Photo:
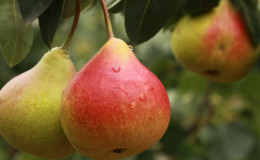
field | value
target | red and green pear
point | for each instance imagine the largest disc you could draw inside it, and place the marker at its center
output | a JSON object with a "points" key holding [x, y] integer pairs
{"points": [[216, 44], [30, 107], [114, 107]]}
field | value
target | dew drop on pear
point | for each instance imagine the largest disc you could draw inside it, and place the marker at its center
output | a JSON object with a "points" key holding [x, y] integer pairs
{"points": [[116, 68], [132, 105], [143, 97], [131, 47]]}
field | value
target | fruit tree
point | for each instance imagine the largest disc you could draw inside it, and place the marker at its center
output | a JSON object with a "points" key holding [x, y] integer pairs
{"points": [[129, 79]]}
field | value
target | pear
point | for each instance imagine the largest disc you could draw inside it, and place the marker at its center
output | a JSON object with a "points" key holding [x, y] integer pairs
{"points": [[215, 45], [114, 107], [30, 107], [70, 7]]}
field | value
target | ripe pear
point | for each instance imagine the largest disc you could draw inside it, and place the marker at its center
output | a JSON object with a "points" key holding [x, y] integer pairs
{"points": [[70, 7], [215, 45], [114, 107], [30, 107]]}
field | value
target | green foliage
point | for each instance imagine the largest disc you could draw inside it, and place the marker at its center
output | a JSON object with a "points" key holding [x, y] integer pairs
{"points": [[31, 10], [227, 141], [229, 132], [49, 21], [195, 7], [15, 38], [143, 19], [116, 6]]}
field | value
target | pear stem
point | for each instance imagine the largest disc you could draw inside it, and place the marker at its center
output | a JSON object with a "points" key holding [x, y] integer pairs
{"points": [[74, 26], [205, 107], [107, 19]]}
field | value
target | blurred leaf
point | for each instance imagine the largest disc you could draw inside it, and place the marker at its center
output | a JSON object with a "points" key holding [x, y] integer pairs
{"points": [[251, 15], [31, 10], [174, 19], [175, 144], [26, 156], [144, 18], [69, 8], [77, 156], [227, 142], [173, 139], [3, 154], [6, 73], [197, 86], [116, 6], [15, 38], [146, 155], [255, 154], [189, 8], [195, 7], [50, 20]]}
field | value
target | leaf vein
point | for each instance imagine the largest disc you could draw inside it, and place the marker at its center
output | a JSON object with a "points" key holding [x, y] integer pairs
{"points": [[16, 29], [142, 19]]}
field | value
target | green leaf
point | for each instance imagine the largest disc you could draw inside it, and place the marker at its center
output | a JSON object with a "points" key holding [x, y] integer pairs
{"points": [[15, 38], [194, 7], [251, 15], [26, 156], [70, 7], [255, 154], [228, 142], [31, 10], [144, 18], [174, 19], [49, 21], [146, 155], [116, 6], [173, 138]]}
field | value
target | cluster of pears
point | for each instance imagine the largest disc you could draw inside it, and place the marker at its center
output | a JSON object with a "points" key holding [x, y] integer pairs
{"points": [[216, 44], [114, 107]]}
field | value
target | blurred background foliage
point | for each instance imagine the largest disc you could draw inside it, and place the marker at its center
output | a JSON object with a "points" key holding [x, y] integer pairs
{"points": [[210, 121]]}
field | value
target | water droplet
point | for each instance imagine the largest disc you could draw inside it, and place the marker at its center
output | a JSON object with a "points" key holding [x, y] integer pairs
{"points": [[150, 88], [132, 105], [143, 97], [146, 82], [116, 68], [131, 47]]}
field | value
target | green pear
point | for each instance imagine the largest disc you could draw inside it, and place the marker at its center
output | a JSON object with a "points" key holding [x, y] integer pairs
{"points": [[216, 44], [114, 107], [70, 7], [30, 107]]}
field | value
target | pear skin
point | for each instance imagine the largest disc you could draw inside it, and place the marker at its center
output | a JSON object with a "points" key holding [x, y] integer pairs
{"points": [[215, 45], [114, 107], [30, 107]]}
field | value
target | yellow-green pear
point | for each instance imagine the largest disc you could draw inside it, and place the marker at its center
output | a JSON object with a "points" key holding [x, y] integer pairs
{"points": [[30, 107]]}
